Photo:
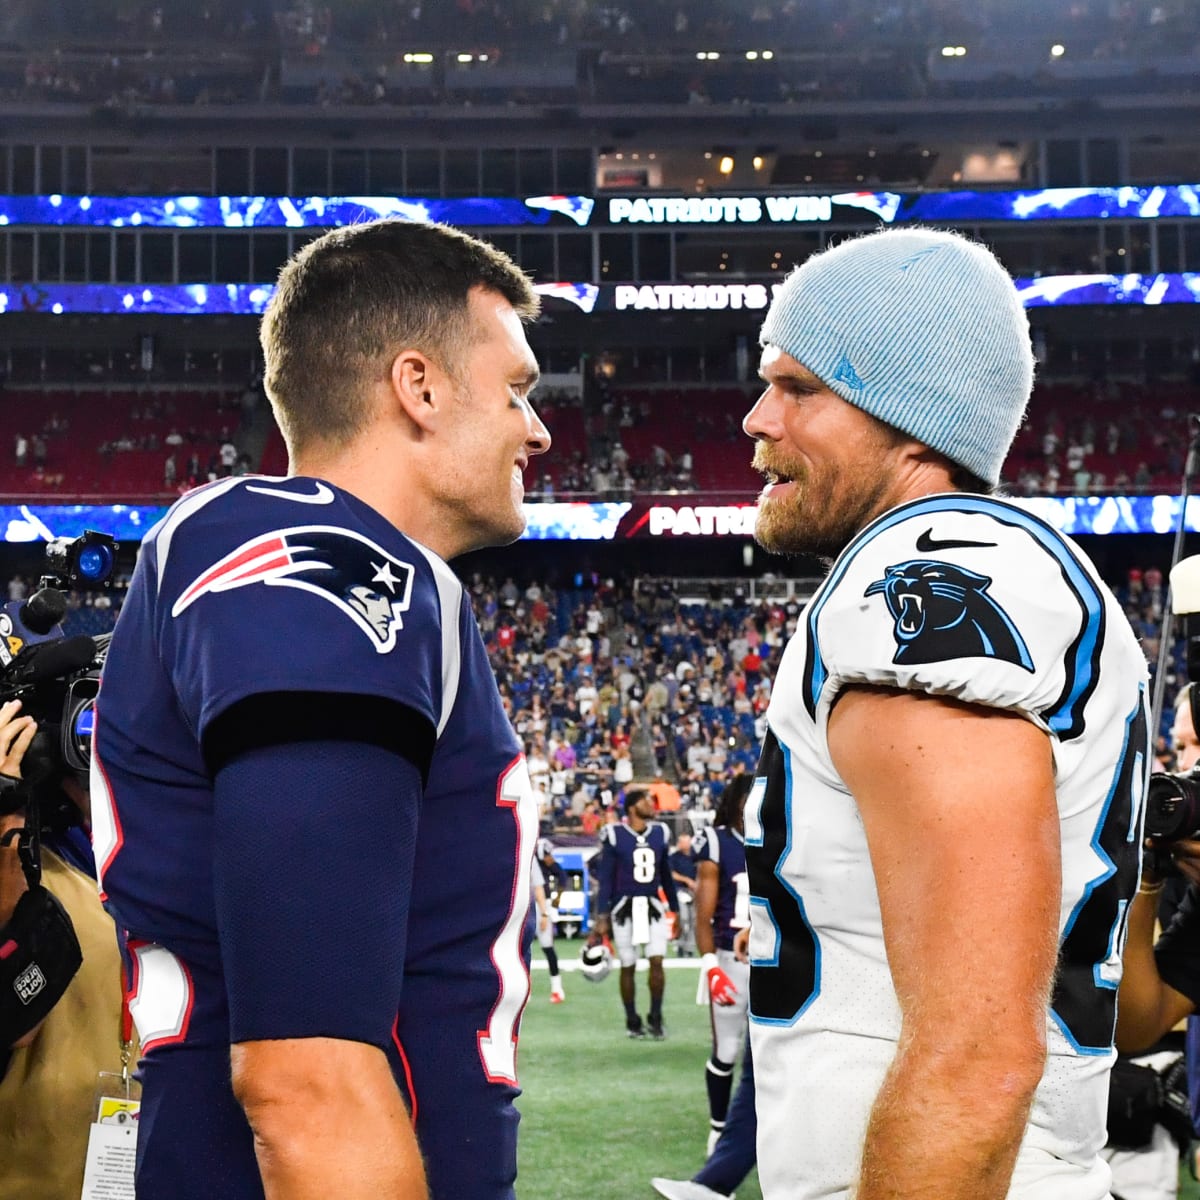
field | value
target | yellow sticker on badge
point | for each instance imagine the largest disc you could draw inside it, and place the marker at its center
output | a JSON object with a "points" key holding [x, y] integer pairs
{"points": [[116, 1111]]}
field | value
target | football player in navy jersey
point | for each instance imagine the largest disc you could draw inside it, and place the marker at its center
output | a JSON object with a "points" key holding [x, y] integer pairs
{"points": [[299, 734], [636, 891], [722, 908]]}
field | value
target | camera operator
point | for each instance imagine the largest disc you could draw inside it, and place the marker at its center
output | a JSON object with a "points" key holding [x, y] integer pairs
{"points": [[1160, 986], [49, 1073], [1161, 983]]}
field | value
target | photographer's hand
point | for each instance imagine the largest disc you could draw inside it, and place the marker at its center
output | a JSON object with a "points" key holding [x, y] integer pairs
{"points": [[15, 735], [1186, 854]]}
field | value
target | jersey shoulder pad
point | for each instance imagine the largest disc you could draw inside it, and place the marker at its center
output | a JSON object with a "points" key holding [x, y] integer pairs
{"points": [[964, 596], [291, 585]]}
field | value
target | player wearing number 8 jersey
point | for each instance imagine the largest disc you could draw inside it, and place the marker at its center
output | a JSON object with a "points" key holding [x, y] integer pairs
{"points": [[301, 756], [943, 835], [633, 869]]}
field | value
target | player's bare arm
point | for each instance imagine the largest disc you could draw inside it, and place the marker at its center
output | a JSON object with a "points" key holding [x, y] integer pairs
{"points": [[308, 1101], [708, 879], [959, 810]]}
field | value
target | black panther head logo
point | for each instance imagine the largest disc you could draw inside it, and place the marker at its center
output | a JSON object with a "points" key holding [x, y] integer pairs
{"points": [[943, 611]]}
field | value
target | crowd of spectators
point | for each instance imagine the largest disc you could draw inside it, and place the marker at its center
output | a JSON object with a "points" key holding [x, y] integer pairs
{"points": [[1097, 26], [232, 51], [129, 442]]}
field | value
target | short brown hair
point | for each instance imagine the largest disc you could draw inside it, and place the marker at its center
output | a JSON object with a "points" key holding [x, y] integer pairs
{"points": [[351, 300]]}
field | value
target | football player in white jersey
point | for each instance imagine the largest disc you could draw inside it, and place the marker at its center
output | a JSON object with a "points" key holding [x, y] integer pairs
{"points": [[944, 832]]}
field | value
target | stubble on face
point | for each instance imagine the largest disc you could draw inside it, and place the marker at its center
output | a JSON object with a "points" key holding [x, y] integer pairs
{"points": [[826, 505]]}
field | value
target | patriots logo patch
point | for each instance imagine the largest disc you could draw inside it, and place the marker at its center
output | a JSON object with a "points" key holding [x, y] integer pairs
{"points": [[942, 611], [372, 587]]}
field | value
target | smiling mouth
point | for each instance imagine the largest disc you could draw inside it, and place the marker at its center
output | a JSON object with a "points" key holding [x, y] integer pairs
{"points": [[774, 477]]}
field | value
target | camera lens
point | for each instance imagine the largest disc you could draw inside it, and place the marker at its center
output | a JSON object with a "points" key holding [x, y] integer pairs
{"points": [[95, 562]]}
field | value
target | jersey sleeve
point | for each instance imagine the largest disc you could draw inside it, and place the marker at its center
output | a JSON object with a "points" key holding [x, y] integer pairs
{"points": [[536, 877], [312, 609], [966, 597], [666, 878], [606, 869], [706, 846]]}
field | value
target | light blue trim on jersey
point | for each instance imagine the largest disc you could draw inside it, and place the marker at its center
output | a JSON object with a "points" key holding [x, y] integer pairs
{"points": [[1109, 871], [754, 801], [767, 915], [786, 1022], [1063, 716]]}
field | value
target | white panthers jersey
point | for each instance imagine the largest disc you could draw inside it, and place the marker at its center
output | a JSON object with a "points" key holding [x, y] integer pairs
{"points": [[970, 597]]}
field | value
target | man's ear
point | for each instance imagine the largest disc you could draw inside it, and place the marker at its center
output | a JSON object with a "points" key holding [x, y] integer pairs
{"points": [[417, 384]]}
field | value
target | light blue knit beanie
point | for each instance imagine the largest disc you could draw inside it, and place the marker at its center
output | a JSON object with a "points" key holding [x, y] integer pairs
{"points": [[922, 329]]}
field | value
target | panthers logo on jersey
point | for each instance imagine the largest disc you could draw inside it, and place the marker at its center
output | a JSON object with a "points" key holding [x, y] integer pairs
{"points": [[368, 584], [942, 611]]}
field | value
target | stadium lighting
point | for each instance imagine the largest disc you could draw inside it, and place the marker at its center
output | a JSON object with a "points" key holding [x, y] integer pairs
{"points": [[466, 58], [1057, 50], [954, 51], [758, 162], [752, 55], [712, 55], [725, 166], [768, 54], [420, 57], [700, 54]]}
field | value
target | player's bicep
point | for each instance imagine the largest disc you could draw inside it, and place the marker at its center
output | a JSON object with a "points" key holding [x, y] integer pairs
{"points": [[313, 854], [959, 809]]}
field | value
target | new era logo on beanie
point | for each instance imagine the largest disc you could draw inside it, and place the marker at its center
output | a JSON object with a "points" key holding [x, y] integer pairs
{"points": [[921, 328]]}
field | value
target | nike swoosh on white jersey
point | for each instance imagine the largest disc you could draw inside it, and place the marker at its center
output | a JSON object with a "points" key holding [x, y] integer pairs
{"points": [[323, 494]]}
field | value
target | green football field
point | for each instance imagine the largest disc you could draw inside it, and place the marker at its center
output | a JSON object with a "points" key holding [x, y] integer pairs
{"points": [[602, 1114]]}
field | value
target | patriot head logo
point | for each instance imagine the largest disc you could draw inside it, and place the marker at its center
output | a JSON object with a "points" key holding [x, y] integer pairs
{"points": [[942, 611], [372, 587]]}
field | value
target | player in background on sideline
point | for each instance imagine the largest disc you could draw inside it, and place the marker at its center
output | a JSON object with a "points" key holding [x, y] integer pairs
{"points": [[734, 1155], [722, 908], [633, 868], [545, 917]]}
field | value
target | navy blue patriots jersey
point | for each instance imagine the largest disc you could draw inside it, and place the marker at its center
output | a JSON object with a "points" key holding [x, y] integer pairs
{"points": [[253, 587], [634, 864], [725, 848]]}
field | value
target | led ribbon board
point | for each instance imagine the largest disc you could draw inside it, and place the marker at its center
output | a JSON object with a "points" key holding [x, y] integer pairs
{"points": [[582, 521], [774, 209], [193, 299]]}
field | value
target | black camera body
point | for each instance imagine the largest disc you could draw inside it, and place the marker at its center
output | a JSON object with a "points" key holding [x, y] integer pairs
{"points": [[1173, 805]]}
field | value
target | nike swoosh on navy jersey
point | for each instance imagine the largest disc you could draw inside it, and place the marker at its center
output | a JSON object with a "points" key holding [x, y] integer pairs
{"points": [[323, 494], [927, 542]]}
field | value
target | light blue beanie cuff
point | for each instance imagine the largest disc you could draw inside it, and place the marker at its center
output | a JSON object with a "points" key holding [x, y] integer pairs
{"points": [[923, 329]]}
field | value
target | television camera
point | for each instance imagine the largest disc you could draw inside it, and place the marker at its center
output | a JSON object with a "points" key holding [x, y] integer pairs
{"points": [[57, 678]]}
